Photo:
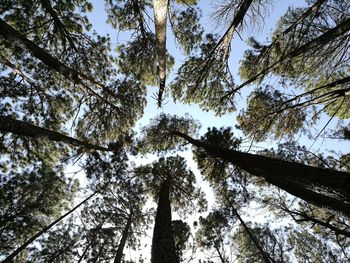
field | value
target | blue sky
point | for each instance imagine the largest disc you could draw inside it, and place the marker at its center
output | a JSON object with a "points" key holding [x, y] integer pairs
{"points": [[208, 119], [261, 31]]}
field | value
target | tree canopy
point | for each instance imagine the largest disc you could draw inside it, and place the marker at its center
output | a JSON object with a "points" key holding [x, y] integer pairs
{"points": [[100, 163]]}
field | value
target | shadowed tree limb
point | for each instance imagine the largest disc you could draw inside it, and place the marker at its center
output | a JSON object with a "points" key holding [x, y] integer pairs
{"points": [[9, 124]]}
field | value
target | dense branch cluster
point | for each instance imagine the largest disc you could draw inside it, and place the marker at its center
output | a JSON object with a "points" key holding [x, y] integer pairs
{"points": [[81, 182]]}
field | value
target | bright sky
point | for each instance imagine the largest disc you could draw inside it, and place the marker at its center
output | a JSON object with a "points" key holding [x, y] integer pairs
{"points": [[207, 119]]}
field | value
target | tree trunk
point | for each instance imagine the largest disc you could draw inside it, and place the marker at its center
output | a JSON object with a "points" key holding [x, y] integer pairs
{"points": [[84, 253], [163, 245], [9, 124], [58, 23], [125, 234], [160, 18], [251, 235], [10, 258], [222, 259], [323, 39], [19, 40], [319, 186]]}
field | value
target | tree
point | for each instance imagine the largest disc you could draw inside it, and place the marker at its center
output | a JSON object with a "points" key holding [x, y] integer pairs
{"points": [[173, 186], [182, 233], [308, 50], [295, 178], [211, 234], [70, 99]]}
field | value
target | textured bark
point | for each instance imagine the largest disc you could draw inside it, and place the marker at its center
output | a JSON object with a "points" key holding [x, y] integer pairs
{"points": [[160, 19], [125, 234], [9, 124], [321, 187], [10, 258], [163, 245]]}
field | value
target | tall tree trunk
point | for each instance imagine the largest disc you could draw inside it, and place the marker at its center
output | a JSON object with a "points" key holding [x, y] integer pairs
{"points": [[163, 245], [9, 124], [222, 259], [10, 258], [138, 14], [225, 40], [321, 40], [319, 186], [58, 23], [125, 234], [160, 18], [19, 40], [84, 253], [251, 235]]}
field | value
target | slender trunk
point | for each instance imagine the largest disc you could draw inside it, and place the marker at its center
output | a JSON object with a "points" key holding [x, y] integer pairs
{"points": [[160, 19], [305, 217], [321, 40], [237, 20], [163, 245], [222, 259], [84, 253], [313, 9], [125, 234], [319, 186], [10, 258], [19, 40], [251, 235], [9, 124], [138, 14], [60, 26]]}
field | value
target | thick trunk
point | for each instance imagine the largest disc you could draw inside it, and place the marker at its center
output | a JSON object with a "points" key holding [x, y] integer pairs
{"points": [[160, 19], [163, 245], [8, 124], [321, 187], [10, 258], [125, 234]]}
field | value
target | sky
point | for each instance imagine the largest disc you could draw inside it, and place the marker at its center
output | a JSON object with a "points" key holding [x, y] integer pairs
{"points": [[208, 119]]}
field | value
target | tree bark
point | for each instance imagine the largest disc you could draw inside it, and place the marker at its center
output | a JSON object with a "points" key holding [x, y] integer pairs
{"points": [[9, 124], [10, 258], [160, 18], [125, 234], [321, 187], [163, 245]]}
